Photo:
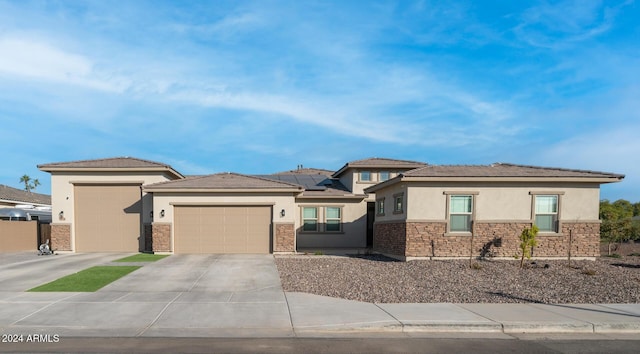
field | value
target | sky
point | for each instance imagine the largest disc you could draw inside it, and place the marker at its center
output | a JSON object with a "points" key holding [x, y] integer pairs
{"points": [[258, 87]]}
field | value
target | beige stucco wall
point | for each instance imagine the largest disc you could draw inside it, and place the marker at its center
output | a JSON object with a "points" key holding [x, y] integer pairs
{"points": [[351, 179], [497, 202], [388, 195], [354, 224], [62, 191]]}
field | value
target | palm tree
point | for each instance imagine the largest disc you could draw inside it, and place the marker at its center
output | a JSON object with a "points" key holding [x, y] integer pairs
{"points": [[27, 185]]}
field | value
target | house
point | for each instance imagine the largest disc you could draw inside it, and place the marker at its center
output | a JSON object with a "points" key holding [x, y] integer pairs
{"points": [[12, 197], [126, 204]]}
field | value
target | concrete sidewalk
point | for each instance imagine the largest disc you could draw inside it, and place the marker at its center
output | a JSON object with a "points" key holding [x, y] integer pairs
{"points": [[241, 296]]}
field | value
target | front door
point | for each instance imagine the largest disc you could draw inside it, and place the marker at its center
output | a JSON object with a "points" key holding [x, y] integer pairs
{"points": [[371, 218]]}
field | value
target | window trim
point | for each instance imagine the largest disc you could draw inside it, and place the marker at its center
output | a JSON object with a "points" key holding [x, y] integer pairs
{"points": [[397, 210], [321, 219], [380, 176], [317, 229], [326, 219], [380, 207], [472, 214], [558, 222], [360, 179]]}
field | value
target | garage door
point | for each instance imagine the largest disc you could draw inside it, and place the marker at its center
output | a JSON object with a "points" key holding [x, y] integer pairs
{"points": [[222, 229], [107, 218]]}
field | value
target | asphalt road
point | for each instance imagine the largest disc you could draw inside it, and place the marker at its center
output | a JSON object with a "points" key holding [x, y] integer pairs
{"points": [[324, 345]]}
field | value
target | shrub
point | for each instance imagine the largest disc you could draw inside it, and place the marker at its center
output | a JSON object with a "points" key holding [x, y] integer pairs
{"points": [[527, 242]]}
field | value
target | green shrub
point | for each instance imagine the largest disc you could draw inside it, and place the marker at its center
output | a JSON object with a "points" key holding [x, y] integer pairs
{"points": [[527, 242]]}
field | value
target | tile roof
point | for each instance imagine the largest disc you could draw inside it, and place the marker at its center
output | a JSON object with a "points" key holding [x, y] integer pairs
{"points": [[225, 180], [379, 162], [114, 162], [503, 170], [18, 195]]}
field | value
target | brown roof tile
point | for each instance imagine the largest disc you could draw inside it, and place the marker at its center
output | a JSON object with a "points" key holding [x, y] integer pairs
{"points": [[502, 170], [130, 163], [379, 162], [226, 180], [17, 195], [113, 162]]}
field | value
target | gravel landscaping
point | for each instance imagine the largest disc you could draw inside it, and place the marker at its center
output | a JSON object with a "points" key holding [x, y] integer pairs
{"points": [[380, 279]]}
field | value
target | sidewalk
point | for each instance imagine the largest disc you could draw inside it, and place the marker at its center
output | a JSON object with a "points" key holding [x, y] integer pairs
{"points": [[277, 314]]}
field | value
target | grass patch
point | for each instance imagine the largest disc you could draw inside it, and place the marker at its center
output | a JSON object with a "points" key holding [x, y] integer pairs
{"points": [[613, 255], [88, 280], [634, 254], [143, 257]]}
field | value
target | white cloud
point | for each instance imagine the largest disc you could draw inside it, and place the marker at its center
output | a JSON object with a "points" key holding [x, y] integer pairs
{"points": [[40, 61]]}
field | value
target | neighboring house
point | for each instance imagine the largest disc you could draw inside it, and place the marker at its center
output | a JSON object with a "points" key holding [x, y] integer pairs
{"points": [[127, 204], [11, 197]]}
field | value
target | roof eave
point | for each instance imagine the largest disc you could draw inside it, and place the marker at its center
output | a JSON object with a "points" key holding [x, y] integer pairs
{"points": [[512, 179], [222, 190], [111, 169], [402, 178], [333, 196]]}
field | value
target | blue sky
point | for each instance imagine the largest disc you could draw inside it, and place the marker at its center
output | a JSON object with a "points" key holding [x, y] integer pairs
{"points": [[260, 87]]}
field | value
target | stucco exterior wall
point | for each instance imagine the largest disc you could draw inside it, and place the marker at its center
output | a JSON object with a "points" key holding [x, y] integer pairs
{"points": [[388, 195], [354, 224], [503, 202]]}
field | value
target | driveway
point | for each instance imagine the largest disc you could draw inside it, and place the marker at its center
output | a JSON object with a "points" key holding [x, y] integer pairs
{"points": [[194, 294]]}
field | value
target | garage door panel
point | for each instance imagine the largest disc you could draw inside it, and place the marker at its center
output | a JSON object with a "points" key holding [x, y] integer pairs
{"points": [[107, 218], [222, 229]]}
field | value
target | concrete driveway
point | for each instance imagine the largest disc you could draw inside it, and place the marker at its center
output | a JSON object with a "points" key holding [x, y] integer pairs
{"points": [[197, 294], [241, 296]]}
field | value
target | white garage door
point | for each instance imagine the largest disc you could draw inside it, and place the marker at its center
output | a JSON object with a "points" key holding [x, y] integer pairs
{"points": [[222, 229], [107, 218]]}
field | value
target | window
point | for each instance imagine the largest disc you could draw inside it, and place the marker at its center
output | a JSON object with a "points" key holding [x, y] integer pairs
{"points": [[546, 213], [332, 219], [398, 202], [460, 213], [380, 207], [384, 175], [309, 219], [365, 176]]}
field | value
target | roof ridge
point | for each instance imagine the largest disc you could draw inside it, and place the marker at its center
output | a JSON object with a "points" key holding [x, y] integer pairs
{"points": [[386, 159], [105, 159], [555, 168]]}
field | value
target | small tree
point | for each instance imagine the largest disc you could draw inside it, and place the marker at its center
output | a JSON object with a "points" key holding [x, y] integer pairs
{"points": [[28, 186], [527, 242]]}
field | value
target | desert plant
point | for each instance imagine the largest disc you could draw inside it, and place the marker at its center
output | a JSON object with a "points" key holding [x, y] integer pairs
{"points": [[589, 272], [318, 253], [476, 266], [527, 242], [613, 255]]}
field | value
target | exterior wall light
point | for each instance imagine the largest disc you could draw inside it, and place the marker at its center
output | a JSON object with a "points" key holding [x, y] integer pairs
{"points": [[282, 213], [162, 213], [61, 215], [151, 214]]}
